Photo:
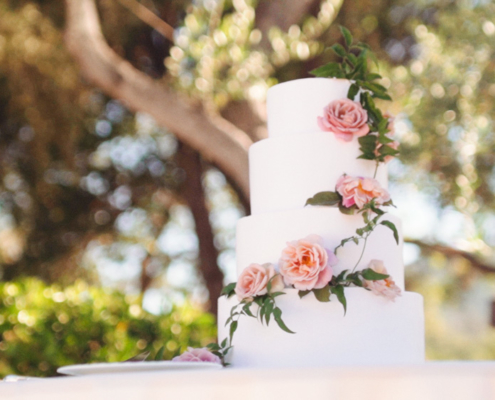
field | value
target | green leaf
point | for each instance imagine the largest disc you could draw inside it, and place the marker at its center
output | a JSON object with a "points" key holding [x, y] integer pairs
{"points": [[258, 300], [368, 144], [262, 312], [233, 328], [339, 292], [382, 96], [224, 343], [214, 346], [376, 210], [228, 290], [232, 310], [392, 227], [353, 91], [356, 281], [324, 199], [352, 59], [344, 241], [330, 70], [218, 353], [277, 314], [388, 151], [269, 310], [372, 77], [339, 50], [247, 309], [341, 276], [347, 35], [269, 284], [323, 294], [368, 103], [389, 203], [371, 275], [367, 157], [303, 293], [361, 46], [159, 354], [347, 211], [276, 294], [382, 126]]}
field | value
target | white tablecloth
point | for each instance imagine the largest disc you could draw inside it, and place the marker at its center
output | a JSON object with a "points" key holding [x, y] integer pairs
{"points": [[433, 380]]}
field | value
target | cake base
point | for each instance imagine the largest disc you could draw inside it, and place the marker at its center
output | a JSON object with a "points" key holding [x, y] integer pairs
{"points": [[375, 331]]}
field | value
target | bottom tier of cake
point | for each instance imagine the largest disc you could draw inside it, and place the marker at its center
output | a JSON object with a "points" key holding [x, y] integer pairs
{"points": [[374, 331]]}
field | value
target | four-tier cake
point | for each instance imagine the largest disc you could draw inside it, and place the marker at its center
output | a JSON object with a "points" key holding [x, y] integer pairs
{"points": [[298, 160]]}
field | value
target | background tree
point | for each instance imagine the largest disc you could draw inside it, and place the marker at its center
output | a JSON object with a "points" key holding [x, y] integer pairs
{"points": [[90, 179]]}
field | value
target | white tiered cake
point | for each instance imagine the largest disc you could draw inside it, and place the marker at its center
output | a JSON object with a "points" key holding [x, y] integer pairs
{"points": [[293, 164]]}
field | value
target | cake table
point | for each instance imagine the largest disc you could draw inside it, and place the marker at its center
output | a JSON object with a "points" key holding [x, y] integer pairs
{"points": [[432, 380]]}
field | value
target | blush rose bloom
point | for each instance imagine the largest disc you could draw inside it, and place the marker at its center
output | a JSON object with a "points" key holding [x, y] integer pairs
{"points": [[198, 355], [384, 287], [306, 264], [359, 191], [254, 279], [345, 118]]}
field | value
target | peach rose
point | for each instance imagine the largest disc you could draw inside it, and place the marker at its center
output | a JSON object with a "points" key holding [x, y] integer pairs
{"points": [[345, 118], [198, 355], [306, 264], [254, 279], [384, 287], [359, 191]]}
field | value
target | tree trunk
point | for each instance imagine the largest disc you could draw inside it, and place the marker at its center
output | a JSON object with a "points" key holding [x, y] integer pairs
{"points": [[190, 161]]}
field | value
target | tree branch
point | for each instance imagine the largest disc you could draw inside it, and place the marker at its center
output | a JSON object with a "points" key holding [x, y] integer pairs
{"points": [[193, 192], [281, 13], [474, 260], [149, 18], [248, 116], [216, 139]]}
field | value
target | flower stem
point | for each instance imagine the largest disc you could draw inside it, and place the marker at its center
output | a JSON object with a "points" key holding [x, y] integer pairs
{"points": [[376, 169], [362, 253]]}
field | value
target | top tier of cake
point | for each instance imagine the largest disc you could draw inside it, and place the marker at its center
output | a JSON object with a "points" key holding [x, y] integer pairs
{"points": [[293, 107], [298, 159]]}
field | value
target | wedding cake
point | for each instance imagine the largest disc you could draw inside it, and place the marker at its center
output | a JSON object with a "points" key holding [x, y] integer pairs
{"points": [[363, 319]]}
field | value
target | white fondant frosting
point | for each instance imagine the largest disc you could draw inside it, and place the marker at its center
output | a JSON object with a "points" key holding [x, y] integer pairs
{"points": [[261, 238], [286, 171], [293, 107], [374, 331], [293, 164]]}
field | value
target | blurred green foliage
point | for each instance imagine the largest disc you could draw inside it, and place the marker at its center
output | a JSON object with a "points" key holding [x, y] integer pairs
{"points": [[44, 327]]}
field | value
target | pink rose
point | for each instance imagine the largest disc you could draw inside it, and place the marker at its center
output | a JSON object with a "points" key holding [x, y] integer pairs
{"points": [[306, 264], [198, 355], [345, 118], [384, 287], [254, 279], [359, 191]]}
